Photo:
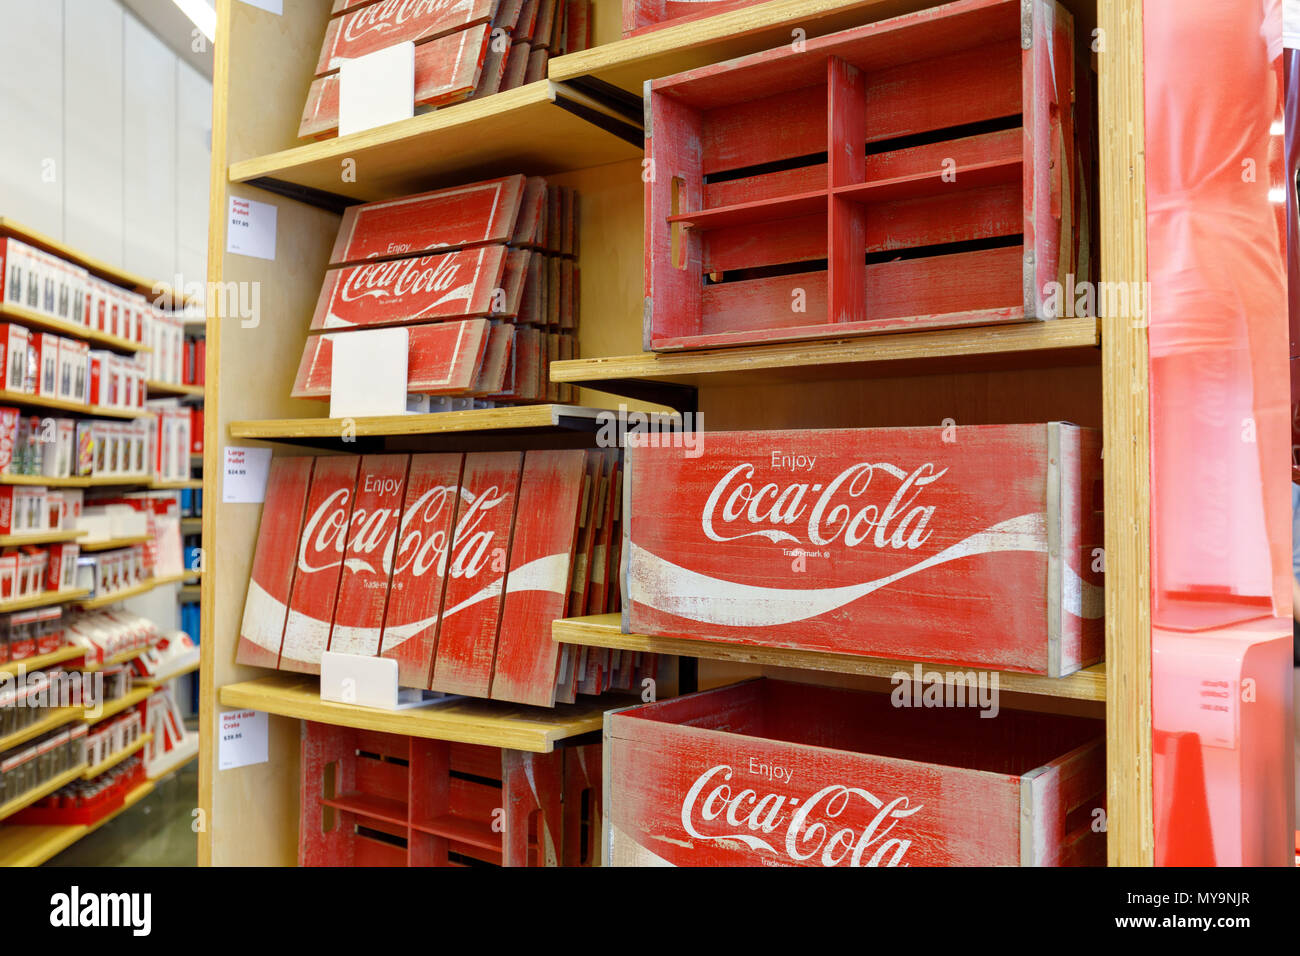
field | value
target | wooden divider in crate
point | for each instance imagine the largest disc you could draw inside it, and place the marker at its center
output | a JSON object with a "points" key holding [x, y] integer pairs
{"points": [[912, 173], [376, 799]]}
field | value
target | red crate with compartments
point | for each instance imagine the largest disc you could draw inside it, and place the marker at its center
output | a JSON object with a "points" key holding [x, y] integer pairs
{"points": [[376, 799], [917, 173]]}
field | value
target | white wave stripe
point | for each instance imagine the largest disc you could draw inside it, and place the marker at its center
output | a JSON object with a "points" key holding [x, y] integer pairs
{"points": [[672, 589], [261, 609]]}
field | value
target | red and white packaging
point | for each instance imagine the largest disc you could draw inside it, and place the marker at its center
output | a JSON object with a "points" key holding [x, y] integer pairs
{"points": [[73, 356], [981, 548], [320, 561], [480, 552], [420, 565], [537, 584], [476, 214], [9, 579], [451, 285], [61, 566], [23, 509], [47, 358], [443, 359], [388, 22], [13, 357], [367, 565]]}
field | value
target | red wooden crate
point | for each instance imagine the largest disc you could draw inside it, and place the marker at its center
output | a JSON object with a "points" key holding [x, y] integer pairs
{"points": [[375, 799], [975, 545], [902, 175], [781, 774]]}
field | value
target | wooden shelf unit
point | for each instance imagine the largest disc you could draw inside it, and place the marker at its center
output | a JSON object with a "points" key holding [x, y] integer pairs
{"points": [[108, 763], [172, 389], [22, 801], [104, 600], [73, 330], [60, 405], [108, 544], [44, 599], [114, 707], [1090, 372], [51, 721], [40, 537]]}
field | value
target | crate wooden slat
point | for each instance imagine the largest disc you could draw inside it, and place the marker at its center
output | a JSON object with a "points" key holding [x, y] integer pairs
{"points": [[40, 537], [27, 799], [39, 661], [1027, 345], [460, 720], [109, 763], [603, 630], [530, 418], [504, 133], [34, 845], [52, 721], [44, 599]]}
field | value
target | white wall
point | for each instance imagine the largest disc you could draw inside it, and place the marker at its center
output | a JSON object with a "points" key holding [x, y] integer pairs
{"points": [[104, 136]]}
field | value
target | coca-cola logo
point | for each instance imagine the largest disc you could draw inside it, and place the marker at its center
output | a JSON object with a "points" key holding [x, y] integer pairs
{"points": [[838, 510], [388, 14], [800, 829], [400, 277], [421, 541]]}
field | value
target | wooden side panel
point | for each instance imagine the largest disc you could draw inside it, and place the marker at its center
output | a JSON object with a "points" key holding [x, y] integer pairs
{"points": [[323, 837], [480, 551], [672, 253], [266, 606], [582, 789], [469, 215], [320, 562], [368, 562], [536, 590], [532, 784], [420, 560], [1059, 803]]}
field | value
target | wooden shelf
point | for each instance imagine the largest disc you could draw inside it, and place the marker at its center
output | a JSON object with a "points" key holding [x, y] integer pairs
{"points": [[122, 658], [39, 537], [191, 525], [511, 419], [108, 544], [529, 129], [629, 62], [457, 719], [62, 405], [24, 845], [52, 721], [166, 389], [121, 595], [191, 593], [110, 762], [190, 483], [604, 630], [44, 790], [114, 707], [130, 280], [1023, 345], [41, 661], [92, 481], [170, 675], [44, 599], [73, 330]]}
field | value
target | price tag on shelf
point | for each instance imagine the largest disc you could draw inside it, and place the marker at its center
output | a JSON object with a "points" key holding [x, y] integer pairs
{"points": [[241, 738], [244, 481], [377, 89], [250, 228]]}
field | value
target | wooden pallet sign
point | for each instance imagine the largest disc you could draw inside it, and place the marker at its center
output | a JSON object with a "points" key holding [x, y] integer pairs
{"points": [[909, 174], [852, 780], [453, 565], [388, 22], [972, 545]]}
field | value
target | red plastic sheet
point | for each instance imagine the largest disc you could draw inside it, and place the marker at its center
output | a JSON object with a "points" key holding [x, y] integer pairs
{"points": [[1220, 434]]}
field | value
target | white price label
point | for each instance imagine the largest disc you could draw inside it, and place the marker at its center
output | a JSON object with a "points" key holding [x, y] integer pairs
{"points": [[250, 228], [241, 738], [244, 481]]}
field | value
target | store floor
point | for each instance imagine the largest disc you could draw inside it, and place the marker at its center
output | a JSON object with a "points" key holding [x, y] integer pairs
{"points": [[155, 832]]}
